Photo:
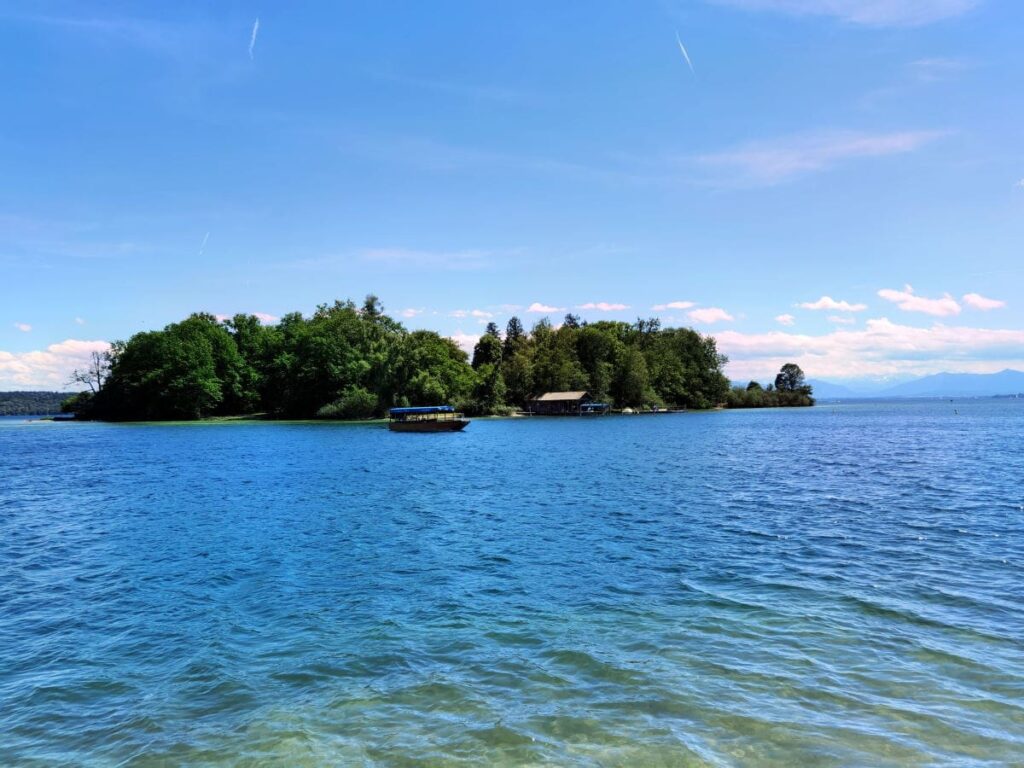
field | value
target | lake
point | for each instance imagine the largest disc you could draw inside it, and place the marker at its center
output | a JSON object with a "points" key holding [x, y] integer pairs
{"points": [[839, 585]]}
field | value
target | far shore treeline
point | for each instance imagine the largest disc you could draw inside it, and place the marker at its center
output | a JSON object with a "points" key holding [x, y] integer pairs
{"points": [[351, 362]]}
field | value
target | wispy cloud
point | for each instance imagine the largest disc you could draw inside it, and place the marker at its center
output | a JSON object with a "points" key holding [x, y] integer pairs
{"points": [[410, 313], [410, 257], [155, 36], [673, 305], [542, 309], [977, 301], [49, 368], [785, 319], [79, 321], [603, 306], [23, 327], [709, 315], [686, 55], [881, 348], [936, 69], [908, 301], [828, 303], [841, 319], [479, 314], [875, 13], [775, 162], [202, 245], [252, 37]]}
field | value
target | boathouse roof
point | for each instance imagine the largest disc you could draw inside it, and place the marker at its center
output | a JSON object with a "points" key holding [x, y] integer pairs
{"points": [[550, 397]]}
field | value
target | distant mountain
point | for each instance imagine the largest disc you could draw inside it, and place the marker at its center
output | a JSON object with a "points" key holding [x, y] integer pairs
{"points": [[959, 385], [826, 390]]}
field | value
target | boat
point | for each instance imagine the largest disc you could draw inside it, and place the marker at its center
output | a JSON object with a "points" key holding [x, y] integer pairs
{"points": [[428, 418]]}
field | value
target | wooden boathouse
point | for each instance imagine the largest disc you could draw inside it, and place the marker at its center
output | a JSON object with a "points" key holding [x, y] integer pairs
{"points": [[566, 404]]}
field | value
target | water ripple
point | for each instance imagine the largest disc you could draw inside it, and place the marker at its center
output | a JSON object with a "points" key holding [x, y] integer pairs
{"points": [[830, 586]]}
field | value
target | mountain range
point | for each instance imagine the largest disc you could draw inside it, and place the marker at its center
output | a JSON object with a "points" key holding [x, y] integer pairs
{"points": [[1008, 382]]}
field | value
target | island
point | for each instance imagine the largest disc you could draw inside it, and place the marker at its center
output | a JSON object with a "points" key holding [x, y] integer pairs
{"points": [[349, 361]]}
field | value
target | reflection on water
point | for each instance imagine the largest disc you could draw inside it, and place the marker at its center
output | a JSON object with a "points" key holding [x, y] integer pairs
{"points": [[838, 585]]}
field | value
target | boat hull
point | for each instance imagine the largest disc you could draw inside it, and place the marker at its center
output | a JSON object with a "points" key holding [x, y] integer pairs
{"points": [[448, 425]]}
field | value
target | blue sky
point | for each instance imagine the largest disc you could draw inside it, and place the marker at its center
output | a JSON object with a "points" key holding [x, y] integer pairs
{"points": [[466, 161]]}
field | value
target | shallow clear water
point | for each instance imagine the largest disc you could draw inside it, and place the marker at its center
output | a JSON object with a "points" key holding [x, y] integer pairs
{"points": [[839, 585]]}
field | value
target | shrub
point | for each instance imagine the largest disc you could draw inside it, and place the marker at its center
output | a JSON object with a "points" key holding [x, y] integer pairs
{"points": [[355, 403]]}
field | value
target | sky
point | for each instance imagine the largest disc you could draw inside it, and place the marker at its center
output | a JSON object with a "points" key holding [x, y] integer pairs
{"points": [[836, 183]]}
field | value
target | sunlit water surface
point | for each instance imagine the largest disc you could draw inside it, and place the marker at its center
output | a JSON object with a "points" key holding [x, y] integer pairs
{"points": [[841, 585]]}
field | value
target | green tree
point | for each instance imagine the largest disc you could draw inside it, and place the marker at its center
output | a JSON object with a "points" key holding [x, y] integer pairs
{"points": [[790, 378], [515, 337], [487, 351]]}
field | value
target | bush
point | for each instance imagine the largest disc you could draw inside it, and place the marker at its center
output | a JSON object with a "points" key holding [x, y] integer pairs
{"points": [[355, 403], [80, 404]]}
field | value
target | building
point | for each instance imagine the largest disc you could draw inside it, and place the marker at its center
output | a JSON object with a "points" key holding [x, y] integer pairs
{"points": [[566, 404]]}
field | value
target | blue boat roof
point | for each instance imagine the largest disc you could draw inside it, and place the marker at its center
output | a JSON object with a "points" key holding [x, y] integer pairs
{"points": [[424, 409]]}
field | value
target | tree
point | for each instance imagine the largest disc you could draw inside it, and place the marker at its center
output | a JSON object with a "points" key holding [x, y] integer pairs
{"points": [[515, 337], [790, 378], [347, 360], [95, 374], [372, 308], [753, 385], [487, 351]]}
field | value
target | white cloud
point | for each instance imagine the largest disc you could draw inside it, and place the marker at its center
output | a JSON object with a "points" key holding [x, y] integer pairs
{"points": [[674, 305], [909, 302], [785, 319], [827, 302], [79, 321], [23, 327], [263, 317], [477, 313], [774, 162], [881, 348], [709, 315], [977, 301], [1019, 184], [603, 306], [875, 13], [466, 341], [841, 319], [410, 313], [252, 37], [539, 308], [49, 368]]}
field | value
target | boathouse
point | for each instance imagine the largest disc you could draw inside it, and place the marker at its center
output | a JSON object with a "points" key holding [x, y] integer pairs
{"points": [[566, 404]]}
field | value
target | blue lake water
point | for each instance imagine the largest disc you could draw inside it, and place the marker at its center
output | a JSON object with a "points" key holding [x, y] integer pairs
{"points": [[842, 585]]}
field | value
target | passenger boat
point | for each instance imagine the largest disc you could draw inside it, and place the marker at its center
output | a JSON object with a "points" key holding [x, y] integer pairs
{"points": [[429, 418]]}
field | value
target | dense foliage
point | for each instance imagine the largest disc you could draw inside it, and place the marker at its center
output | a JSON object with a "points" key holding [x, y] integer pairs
{"points": [[30, 403], [353, 362], [789, 389]]}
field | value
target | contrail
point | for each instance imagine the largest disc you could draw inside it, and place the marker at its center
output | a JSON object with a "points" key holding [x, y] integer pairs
{"points": [[203, 246], [678, 40], [256, 31]]}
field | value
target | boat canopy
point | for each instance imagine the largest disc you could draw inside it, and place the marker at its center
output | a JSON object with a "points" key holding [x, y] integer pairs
{"points": [[423, 409]]}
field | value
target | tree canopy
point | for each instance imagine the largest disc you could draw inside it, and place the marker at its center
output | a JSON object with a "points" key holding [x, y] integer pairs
{"points": [[349, 361], [789, 389]]}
